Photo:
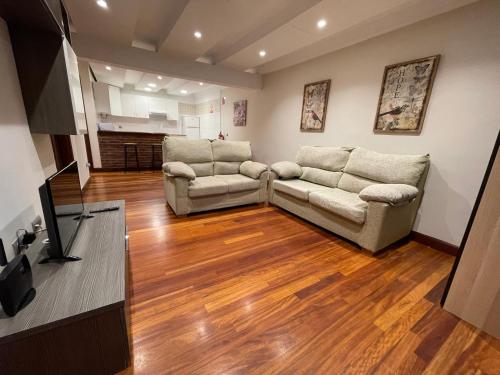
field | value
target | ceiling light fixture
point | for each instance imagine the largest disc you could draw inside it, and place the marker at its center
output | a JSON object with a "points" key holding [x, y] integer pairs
{"points": [[321, 23], [147, 89], [102, 4], [262, 53], [160, 78], [108, 67], [184, 92], [152, 84], [201, 83], [198, 34]]}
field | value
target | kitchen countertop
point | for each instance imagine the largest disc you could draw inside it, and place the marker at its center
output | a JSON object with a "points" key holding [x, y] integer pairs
{"points": [[137, 132]]}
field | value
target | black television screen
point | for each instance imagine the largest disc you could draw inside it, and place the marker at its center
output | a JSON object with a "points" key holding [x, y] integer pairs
{"points": [[62, 205]]}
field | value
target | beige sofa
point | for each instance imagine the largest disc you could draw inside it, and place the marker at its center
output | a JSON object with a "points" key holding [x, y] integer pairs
{"points": [[202, 175], [365, 196]]}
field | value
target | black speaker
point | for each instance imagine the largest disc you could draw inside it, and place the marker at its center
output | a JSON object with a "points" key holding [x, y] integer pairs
{"points": [[16, 285]]}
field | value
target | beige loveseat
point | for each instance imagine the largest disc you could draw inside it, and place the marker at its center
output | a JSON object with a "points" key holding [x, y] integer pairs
{"points": [[365, 196], [202, 175]]}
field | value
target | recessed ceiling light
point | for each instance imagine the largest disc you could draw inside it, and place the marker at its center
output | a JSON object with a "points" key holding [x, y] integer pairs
{"points": [[262, 53], [184, 92], [108, 67], [321, 23], [198, 34], [102, 4], [160, 77], [200, 83], [152, 84], [147, 88]]}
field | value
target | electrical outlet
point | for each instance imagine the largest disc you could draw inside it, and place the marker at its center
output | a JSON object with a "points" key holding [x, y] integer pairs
{"points": [[36, 223]]}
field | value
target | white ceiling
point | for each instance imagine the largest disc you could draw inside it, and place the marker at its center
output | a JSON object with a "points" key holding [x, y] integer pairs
{"points": [[133, 79], [234, 31]]}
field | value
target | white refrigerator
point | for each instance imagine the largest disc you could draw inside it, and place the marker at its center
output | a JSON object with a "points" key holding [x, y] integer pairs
{"points": [[191, 127]]}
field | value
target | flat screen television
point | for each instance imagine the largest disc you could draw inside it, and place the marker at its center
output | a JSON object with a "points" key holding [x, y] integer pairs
{"points": [[63, 209]]}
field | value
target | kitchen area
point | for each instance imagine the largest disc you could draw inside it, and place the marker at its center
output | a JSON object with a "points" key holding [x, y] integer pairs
{"points": [[135, 111]]}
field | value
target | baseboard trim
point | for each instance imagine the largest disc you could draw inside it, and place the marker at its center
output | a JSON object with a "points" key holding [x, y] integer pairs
{"points": [[435, 243]]}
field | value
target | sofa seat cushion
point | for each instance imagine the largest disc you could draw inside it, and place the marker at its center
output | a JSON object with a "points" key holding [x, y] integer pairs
{"points": [[298, 188], [342, 203], [238, 182], [209, 185]]}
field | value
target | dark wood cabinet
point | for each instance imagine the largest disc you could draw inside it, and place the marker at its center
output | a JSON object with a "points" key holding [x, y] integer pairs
{"points": [[77, 323], [46, 65]]}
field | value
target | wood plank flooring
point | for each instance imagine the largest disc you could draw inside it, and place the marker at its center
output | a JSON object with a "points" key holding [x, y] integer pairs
{"points": [[256, 290]]}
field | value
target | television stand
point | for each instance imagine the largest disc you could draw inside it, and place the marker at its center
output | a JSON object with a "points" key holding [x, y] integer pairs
{"points": [[77, 322], [66, 258]]}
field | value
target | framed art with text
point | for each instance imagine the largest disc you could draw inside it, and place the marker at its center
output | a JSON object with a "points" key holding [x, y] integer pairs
{"points": [[404, 96]]}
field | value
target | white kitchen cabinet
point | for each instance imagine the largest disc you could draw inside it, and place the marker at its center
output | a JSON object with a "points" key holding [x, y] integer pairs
{"points": [[128, 104], [172, 108], [115, 102], [141, 106], [107, 99], [157, 105]]}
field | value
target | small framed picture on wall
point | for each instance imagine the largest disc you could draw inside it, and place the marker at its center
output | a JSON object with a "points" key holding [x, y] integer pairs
{"points": [[314, 105], [240, 113]]}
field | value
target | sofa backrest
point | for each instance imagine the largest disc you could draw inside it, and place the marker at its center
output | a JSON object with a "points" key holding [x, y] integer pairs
{"points": [[228, 155], [366, 167], [322, 165], [207, 158], [197, 153]]}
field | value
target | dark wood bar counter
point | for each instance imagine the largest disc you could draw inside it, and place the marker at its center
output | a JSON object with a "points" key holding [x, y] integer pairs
{"points": [[112, 151]]}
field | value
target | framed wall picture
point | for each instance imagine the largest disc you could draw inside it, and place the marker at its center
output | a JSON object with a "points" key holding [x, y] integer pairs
{"points": [[240, 113], [314, 106], [404, 95]]}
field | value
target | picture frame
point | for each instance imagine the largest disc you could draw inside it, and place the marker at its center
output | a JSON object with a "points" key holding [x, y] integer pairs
{"points": [[240, 113], [404, 96], [314, 106]]}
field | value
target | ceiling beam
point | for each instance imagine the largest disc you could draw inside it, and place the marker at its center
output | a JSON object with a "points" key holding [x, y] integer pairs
{"points": [[152, 62], [268, 25]]}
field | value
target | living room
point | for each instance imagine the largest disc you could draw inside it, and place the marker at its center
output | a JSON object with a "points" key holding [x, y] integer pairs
{"points": [[262, 187]]}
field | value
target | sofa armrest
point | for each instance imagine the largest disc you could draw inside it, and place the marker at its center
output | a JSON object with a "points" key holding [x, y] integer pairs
{"points": [[179, 169], [287, 169], [252, 169], [393, 194]]}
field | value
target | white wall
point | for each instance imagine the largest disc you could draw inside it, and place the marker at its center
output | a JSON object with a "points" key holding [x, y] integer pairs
{"points": [[244, 133], [461, 123], [25, 160], [88, 101]]}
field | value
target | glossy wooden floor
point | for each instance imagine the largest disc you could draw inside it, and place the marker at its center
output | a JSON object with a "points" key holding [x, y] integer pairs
{"points": [[257, 290]]}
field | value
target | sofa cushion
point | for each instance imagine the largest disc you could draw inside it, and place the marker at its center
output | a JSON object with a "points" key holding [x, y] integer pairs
{"points": [[340, 202], [287, 169], [328, 158], [187, 150], [320, 176], [394, 194], [227, 167], [354, 184], [238, 182], [209, 185], [179, 169], [203, 169], [252, 169], [231, 150], [387, 168], [297, 188]]}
